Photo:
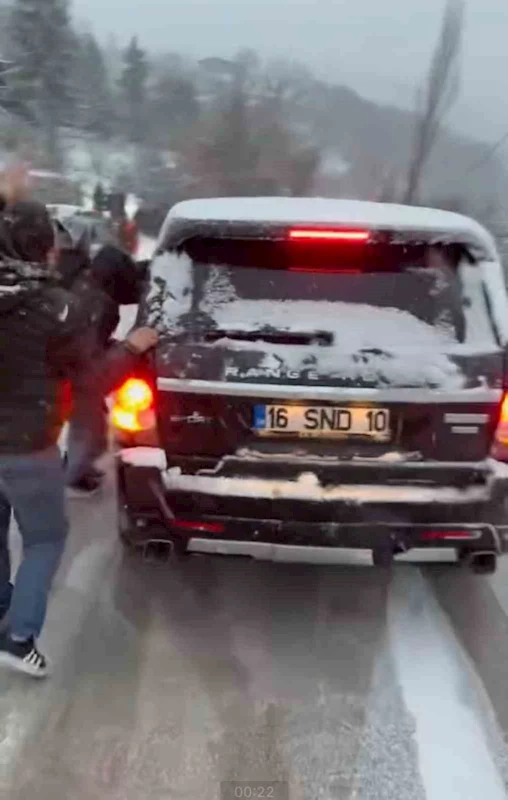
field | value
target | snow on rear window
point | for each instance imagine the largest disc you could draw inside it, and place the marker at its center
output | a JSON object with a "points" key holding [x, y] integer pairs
{"points": [[170, 294], [384, 325], [263, 283]]}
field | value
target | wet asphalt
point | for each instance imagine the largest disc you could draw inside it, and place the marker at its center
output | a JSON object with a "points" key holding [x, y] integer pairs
{"points": [[341, 680]]}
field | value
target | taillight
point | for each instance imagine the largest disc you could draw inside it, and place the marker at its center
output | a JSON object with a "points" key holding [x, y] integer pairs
{"points": [[450, 535], [326, 235], [196, 526], [135, 395], [133, 409], [500, 448]]}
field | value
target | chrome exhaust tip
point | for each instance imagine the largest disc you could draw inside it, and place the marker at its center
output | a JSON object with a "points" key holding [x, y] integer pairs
{"points": [[482, 562], [158, 551]]}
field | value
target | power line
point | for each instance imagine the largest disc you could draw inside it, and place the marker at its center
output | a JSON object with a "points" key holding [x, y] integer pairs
{"points": [[486, 157], [492, 150]]}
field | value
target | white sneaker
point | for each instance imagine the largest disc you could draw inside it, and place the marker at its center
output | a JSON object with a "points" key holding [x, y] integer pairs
{"points": [[22, 657]]}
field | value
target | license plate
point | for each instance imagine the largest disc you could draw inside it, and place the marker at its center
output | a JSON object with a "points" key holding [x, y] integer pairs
{"points": [[322, 421]]}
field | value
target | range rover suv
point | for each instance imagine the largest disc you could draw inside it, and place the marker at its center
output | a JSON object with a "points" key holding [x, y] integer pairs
{"points": [[329, 373]]}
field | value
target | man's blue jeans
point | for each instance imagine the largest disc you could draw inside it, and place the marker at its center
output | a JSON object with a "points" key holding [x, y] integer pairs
{"points": [[31, 486]]}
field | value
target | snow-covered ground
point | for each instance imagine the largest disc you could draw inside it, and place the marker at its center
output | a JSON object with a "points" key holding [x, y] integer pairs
{"points": [[89, 161], [346, 681]]}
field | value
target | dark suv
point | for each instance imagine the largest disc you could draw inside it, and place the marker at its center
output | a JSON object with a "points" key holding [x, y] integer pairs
{"points": [[330, 373]]}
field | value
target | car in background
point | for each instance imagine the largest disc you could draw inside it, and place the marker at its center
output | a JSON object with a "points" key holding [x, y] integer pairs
{"points": [[90, 227], [52, 187], [329, 373], [96, 228]]}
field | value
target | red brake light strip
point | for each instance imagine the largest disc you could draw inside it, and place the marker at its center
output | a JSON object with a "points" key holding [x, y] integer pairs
{"points": [[304, 234]]}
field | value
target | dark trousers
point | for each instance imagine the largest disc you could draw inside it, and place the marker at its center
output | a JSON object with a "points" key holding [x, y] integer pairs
{"points": [[87, 439]]}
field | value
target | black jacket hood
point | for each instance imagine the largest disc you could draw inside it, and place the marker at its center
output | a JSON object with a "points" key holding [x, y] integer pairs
{"points": [[116, 274], [19, 280], [72, 264]]}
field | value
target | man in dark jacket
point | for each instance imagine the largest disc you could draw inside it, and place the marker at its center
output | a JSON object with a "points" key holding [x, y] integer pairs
{"points": [[39, 325], [110, 280], [42, 331]]}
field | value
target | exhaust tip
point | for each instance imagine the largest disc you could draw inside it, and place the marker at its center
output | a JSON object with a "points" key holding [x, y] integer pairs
{"points": [[484, 563], [158, 551], [383, 557]]}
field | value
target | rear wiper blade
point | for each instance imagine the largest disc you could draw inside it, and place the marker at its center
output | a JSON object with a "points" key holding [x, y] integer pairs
{"points": [[321, 338]]}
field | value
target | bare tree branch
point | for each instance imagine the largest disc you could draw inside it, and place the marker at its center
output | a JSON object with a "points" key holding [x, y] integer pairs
{"points": [[438, 94]]}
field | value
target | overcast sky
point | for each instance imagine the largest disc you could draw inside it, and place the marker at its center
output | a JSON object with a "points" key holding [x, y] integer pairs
{"points": [[379, 47]]}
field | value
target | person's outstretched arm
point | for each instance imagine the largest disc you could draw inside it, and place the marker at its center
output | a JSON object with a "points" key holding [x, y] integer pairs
{"points": [[121, 359]]}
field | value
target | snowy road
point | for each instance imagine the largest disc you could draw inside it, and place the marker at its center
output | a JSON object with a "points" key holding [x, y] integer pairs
{"points": [[348, 682], [343, 680]]}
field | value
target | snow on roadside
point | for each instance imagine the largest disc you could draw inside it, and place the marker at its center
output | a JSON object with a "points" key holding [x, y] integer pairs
{"points": [[441, 693]]}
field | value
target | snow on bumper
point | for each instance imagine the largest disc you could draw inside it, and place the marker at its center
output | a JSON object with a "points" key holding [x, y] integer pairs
{"points": [[307, 486]]}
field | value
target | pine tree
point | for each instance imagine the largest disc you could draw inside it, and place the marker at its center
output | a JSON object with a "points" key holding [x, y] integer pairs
{"points": [[9, 102], [41, 40], [231, 156], [133, 85], [95, 102], [174, 107]]}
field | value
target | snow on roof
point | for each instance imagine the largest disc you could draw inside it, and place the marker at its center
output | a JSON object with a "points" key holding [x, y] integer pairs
{"points": [[46, 173], [63, 210], [324, 211]]}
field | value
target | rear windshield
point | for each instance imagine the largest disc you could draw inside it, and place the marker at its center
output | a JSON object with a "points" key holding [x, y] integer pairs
{"points": [[384, 292]]}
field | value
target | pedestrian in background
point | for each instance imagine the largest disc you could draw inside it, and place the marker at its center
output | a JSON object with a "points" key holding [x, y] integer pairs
{"points": [[110, 280]]}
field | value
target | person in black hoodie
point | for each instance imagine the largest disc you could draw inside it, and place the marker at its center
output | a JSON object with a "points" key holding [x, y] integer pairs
{"points": [[40, 324], [43, 343], [111, 279]]}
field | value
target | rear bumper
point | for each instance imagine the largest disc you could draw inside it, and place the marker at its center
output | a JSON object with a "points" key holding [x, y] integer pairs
{"points": [[468, 512]]}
